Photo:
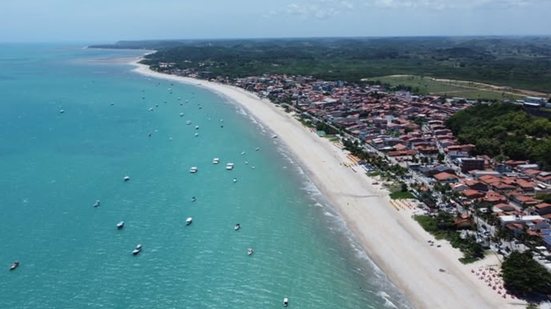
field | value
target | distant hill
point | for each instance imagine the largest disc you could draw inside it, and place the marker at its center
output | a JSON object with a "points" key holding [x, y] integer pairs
{"points": [[517, 62]]}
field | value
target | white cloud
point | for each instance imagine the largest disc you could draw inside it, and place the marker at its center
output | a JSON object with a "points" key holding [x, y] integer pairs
{"points": [[323, 9], [320, 9], [450, 4]]}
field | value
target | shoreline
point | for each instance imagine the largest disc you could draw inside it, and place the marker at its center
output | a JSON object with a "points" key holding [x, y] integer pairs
{"points": [[393, 240]]}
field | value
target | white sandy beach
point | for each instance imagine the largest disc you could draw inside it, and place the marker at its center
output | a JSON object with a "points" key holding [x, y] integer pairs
{"points": [[396, 243]]}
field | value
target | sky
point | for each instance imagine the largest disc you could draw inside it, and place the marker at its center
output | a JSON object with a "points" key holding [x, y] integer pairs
{"points": [[113, 20]]}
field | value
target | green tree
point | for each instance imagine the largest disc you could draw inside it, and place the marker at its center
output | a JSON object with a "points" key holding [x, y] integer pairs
{"points": [[525, 277]]}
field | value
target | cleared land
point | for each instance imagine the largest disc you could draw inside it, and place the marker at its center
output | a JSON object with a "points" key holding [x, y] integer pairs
{"points": [[451, 88]]}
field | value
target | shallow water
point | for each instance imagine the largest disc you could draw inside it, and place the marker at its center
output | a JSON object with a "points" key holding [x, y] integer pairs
{"points": [[114, 123]]}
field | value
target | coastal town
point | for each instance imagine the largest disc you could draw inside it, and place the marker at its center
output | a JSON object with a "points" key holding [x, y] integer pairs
{"points": [[402, 139], [275, 154]]}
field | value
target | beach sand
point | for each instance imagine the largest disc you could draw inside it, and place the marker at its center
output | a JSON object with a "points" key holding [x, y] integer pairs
{"points": [[389, 235]]}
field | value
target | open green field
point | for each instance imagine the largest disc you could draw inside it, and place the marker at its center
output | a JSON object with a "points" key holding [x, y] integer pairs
{"points": [[429, 85]]}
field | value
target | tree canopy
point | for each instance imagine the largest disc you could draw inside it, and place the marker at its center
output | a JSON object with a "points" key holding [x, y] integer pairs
{"points": [[504, 130], [525, 277]]}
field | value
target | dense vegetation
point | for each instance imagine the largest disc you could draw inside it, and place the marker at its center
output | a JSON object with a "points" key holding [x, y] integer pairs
{"points": [[401, 195], [525, 277], [442, 226], [516, 62], [504, 131]]}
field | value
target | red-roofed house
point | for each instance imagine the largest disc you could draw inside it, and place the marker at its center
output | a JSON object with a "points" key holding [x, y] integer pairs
{"points": [[446, 177], [532, 172], [504, 208], [543, 208], [476, 185], [524, 200], [472, 194], [526, 186], [494, 198], [544, 177], [489, 179]]}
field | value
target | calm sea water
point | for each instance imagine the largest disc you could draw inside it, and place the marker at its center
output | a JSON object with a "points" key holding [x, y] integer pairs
{"points": [[55, 165]]}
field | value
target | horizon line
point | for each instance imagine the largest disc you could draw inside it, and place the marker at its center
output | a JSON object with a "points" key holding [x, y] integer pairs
{"points": [[96, 41]]}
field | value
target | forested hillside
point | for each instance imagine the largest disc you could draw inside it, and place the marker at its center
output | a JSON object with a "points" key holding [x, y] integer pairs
{"points": [[518, 62]]}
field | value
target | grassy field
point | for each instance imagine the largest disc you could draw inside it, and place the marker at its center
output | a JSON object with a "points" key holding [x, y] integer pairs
{"points": [[429, 85], [399, 195]]}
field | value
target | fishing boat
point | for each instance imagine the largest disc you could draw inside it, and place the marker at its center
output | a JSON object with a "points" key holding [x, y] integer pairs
{"points": [[229, 166], [14, 265], [215, 160], [137, 250], [237, 227], [189, 220], [193, 169], [120, 225], [250, 251]]}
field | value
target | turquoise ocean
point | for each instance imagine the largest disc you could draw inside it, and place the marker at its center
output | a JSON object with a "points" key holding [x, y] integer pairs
{"points": [[75, 121]]}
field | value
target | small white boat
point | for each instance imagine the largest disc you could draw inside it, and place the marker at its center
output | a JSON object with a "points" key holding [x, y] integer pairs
{"points": [[234, 180], [151, 109], [193, 169], [237, 227], [120, 225], [229, 166], [137, 250], [274, 136], [96, 204], [257, 148], [181, 114], [61, 111], [188, 122], [250, 251], [242, 153], [215, 160], [14, 265], [189, 220], [285, 302], [126, 178], [196, 127], [196, 134]]}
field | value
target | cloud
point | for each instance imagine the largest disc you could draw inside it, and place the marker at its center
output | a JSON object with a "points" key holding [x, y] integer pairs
{"points": [[325, 9], [320, 9], [450, 4]]}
